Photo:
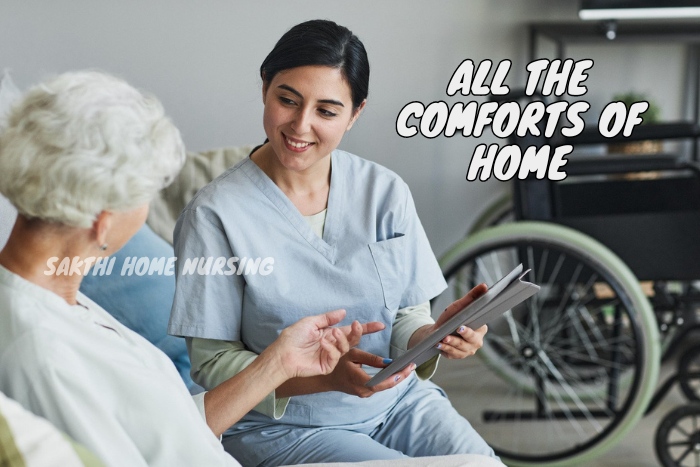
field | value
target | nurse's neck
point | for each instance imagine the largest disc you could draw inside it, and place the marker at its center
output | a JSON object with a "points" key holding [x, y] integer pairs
{"points": [[307, 188]]}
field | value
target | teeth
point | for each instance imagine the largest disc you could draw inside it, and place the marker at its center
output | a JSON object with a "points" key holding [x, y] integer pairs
{"points": [[296, 145]]}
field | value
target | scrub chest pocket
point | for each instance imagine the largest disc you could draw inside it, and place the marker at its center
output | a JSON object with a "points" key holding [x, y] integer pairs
{"points": [[390, 260]]}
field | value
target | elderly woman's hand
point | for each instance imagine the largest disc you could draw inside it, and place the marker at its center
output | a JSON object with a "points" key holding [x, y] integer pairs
{"points": [[312, 346], [467, 341]]}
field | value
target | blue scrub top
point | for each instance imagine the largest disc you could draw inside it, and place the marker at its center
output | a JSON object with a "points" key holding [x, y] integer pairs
{"points": [[373, 259]]}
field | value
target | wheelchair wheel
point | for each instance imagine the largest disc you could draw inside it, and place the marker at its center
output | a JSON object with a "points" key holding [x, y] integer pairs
{"points": [[678, 437], [566, 374], [501, 211], [689, 374]]}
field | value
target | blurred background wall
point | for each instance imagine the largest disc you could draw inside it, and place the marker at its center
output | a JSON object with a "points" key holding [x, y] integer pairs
{"points": [[202, 58]]}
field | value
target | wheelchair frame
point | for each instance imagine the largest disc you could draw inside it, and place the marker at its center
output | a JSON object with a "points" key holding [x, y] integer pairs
{"points": [[642, 225]]}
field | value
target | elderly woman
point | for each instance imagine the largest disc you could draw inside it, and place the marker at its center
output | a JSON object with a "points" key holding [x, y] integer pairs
{"points": [[82, 156]]}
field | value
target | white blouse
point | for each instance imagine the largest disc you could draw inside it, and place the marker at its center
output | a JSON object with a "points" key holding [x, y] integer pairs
{"points": [[102, 384]]}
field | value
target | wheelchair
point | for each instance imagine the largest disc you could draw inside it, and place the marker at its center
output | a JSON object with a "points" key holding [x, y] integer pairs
{"points": [[565, 375]]}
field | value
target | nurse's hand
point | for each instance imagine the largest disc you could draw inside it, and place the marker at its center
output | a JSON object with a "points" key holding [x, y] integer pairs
{"points": [[468, 341], [350, 378], [312, 346]]}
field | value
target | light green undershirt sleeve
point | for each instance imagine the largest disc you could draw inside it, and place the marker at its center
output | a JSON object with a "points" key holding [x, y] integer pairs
{"points": [[215, 361], [407, 321]]}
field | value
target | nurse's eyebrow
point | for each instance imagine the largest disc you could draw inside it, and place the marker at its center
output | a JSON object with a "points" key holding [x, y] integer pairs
{"points": [[297, 93]]}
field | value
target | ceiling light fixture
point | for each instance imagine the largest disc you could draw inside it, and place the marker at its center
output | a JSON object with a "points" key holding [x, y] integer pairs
{"points": [[640, 9]]}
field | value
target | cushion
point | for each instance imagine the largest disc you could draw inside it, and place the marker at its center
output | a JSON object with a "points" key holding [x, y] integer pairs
{"points": [[30, 441], [8, 95], [8, 214]]}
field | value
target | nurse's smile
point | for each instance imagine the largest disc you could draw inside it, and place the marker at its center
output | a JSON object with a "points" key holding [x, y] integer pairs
{"points": [[295, 144], [307, 111]]}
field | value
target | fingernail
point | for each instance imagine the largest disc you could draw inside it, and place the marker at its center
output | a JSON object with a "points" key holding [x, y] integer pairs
{"points": [[462, 329], [397, 377], [386, 361], [439, 346], [413, 366]]}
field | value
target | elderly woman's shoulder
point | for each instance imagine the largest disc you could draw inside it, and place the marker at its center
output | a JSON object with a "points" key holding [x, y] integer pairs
{"points": [[24, 305]]}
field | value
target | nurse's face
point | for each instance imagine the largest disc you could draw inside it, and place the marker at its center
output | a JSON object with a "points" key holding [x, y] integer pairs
{"points": [[308, 109]]}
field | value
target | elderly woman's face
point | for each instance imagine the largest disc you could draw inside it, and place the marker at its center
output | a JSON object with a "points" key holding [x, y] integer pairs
{"points": [[308, 109]]}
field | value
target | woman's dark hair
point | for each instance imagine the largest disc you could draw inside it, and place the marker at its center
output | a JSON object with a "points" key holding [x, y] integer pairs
{"points": [[325, 43]]}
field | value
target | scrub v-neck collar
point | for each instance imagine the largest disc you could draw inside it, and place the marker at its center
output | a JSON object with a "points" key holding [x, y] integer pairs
{"points": [[326, 245]]}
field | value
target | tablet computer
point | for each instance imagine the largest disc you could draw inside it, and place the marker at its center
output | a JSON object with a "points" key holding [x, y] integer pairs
{"points": [[499, 298]]}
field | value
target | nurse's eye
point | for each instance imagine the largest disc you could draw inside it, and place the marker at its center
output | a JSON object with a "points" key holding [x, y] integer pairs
{"points": [[327, 113]]}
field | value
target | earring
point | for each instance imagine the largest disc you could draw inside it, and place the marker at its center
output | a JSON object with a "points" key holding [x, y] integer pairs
{"points": [[103, 247]]}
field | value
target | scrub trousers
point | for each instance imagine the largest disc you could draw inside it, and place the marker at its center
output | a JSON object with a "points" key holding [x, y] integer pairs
{"points": [[422, 423]]}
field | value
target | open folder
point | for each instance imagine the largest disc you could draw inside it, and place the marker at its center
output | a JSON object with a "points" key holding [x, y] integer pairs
{"points": [[499, 298]]}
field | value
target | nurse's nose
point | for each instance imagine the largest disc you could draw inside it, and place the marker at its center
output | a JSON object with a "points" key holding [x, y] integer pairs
{"points": [[302, 121]]}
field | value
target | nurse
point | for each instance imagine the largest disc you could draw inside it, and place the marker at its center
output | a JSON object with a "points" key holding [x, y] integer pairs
{"points": [[342, 232]]}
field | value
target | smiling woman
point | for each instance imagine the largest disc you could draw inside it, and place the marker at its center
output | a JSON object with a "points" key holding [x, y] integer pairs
{"points": [[308, 109], [343, 231]]}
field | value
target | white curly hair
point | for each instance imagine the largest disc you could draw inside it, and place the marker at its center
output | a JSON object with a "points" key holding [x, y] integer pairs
{"points": [[85, 142]]}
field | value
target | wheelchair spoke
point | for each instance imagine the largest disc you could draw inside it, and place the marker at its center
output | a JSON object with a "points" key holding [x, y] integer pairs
{"points": [[685, 454], [559, 372]]}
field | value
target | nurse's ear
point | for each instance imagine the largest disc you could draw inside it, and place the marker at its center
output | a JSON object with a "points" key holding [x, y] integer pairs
{"points": [[356, 114], [265, 87]]}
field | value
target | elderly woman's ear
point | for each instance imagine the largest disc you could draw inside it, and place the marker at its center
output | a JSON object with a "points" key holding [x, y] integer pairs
{"points": [[100, 228], [112, 229]]}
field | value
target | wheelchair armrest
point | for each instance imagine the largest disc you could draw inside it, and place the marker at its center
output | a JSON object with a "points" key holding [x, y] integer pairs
{"points": [[653, 131]]}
